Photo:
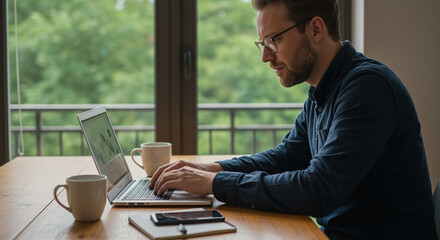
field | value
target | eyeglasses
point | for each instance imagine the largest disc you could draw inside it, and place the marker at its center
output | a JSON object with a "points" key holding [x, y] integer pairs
{"points": [[269, 42]]}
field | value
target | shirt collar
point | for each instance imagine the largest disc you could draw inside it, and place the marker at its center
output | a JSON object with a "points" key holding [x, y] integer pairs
{"points": [[332, 75]]}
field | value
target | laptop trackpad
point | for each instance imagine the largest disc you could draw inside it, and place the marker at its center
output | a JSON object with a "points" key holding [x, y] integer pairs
{"points": [[184, 195]]}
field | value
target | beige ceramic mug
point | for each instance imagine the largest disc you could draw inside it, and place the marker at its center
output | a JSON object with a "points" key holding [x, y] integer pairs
{"points": [[154, 155], [86, 195]]}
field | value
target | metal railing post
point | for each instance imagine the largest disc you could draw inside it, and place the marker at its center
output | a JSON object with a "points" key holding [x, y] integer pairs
{"points": [[254, 141], [38, 132], [16, 143], [210, 141], [60, 142], [232, 131], [82, 143]]}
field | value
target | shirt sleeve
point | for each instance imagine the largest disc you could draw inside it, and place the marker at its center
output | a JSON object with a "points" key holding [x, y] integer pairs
{"points": [[292, 154], [364, 117]]}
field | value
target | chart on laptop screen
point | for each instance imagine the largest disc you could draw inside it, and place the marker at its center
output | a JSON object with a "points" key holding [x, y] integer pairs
{"points": [[104, 147]]}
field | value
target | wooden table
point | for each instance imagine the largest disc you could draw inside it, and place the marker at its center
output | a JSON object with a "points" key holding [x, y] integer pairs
{"points": [[28, 209]]}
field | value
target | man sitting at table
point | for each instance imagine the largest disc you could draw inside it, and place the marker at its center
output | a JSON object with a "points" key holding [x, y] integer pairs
{"points": [[355, 158]]}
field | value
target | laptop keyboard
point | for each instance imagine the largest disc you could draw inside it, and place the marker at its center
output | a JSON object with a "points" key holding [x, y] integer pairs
{"points": [[142, 192]]}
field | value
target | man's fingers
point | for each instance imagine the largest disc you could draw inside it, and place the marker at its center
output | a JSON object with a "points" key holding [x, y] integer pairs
{"points": [[168, 175], [164, 179], [163, 169], [156, 175], [173, 184], [160, 179]]}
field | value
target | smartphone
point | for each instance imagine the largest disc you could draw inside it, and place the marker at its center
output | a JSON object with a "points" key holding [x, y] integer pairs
{"points": [[170, 218]]}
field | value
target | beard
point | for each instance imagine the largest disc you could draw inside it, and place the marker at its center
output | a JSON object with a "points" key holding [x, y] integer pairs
{"points": [[302, 65]]}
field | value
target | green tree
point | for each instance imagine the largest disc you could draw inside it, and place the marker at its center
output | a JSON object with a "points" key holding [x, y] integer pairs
{"points": [[230, 71], [85, 51]]}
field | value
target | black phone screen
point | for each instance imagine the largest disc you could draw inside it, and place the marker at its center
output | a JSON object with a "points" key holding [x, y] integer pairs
{"points": [[187, 217]]}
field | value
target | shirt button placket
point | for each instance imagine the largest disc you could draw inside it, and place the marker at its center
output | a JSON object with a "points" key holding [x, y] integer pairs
{"points": [[319, 109], [316, 142]]}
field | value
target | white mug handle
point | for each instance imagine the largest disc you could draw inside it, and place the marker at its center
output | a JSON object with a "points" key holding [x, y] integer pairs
{"points": [[56, 198], [132, 153]]}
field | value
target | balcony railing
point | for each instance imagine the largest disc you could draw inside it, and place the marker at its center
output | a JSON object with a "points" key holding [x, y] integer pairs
{"points": [[38, 128]]}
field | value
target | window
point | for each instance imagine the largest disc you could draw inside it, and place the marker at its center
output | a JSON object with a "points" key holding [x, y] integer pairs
{"points": [[74, 55], [243, 108], [179, 71]]}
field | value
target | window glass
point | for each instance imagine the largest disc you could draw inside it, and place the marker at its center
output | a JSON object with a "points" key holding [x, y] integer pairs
{"points": [[230, 70], [81, 52]]}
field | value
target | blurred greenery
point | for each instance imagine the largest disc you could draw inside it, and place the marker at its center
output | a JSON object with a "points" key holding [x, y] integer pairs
{"points": [[102, 52]]}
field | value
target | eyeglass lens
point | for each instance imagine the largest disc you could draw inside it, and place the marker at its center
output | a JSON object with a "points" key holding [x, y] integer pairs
{"points": [[266, 43]]}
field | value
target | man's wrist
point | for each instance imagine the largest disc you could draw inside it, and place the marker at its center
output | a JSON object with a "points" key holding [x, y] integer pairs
{"points": [[216, 167], [211, 182]]}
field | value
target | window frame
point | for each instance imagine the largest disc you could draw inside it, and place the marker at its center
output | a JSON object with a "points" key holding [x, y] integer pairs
{"points": [[4, 86], [176, 90], [345, 19]]}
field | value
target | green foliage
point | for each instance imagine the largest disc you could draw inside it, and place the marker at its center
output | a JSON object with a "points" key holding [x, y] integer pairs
{"points": [[230, 71], [102, 52], [80, 51]]}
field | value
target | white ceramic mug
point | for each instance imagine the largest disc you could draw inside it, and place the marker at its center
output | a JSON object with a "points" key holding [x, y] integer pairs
{"points": [[154, 155], [86, 195]]}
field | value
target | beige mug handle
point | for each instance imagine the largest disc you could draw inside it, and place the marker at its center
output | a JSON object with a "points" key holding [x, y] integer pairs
{"points": [[132, 153], [56, 198]]}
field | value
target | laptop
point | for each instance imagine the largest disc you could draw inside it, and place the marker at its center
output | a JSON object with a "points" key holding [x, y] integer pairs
{"points": [[123, 189]]}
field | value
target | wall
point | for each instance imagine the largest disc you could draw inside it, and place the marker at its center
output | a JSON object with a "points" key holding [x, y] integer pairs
{"points": [[357, 24], [405, 35]]}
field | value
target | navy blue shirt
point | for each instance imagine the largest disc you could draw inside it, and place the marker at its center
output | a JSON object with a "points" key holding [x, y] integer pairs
{"points": [[354, 159]]}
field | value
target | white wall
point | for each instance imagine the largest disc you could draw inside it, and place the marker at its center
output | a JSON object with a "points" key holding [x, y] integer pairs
{"points": [[357, 24], [405, 35]]}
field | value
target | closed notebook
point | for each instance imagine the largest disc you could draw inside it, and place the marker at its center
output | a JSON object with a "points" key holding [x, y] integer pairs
{"points": [[144, 224]]}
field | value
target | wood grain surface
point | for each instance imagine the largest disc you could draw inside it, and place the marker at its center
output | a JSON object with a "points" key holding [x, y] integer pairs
{"points": [[29, 211]]}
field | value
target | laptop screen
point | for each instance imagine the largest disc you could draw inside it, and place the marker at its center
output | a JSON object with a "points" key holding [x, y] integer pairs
{"points": [[105, 148]]}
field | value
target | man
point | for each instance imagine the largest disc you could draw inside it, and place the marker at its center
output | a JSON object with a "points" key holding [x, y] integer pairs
{"points": [[355, 158]]}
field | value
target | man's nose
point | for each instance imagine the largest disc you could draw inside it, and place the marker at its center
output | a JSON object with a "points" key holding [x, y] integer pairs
{"points": [[268, 55]]}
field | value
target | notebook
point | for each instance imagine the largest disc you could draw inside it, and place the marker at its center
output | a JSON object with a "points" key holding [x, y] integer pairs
{"points": [[146, 226], [109, 159]]}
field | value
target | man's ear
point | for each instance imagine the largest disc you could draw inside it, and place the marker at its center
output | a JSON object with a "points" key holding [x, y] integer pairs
{"points": [[318, 28]]}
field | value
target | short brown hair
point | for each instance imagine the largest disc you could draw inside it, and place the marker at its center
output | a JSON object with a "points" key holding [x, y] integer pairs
{"points": [[300, 10]]}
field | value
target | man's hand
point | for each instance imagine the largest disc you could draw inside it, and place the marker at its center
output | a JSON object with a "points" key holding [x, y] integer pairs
{"points": [[190, 179], [185, 175]]}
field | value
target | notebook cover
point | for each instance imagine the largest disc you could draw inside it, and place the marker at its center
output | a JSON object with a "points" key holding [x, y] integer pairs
{"points": [[146, 225]]}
